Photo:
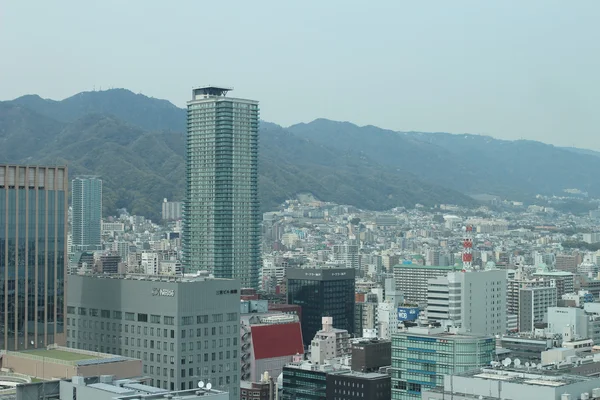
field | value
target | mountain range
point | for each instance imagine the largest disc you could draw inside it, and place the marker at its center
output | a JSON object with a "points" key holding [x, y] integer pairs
{"points": [[137, 145]]}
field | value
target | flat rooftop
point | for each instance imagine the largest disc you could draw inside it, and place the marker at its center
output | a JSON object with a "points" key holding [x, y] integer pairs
{"points": [[553, 273], [157, 278], [64, 355], [433, 333], [363, 375], [440, 267], [534, 377], [61, 355]]}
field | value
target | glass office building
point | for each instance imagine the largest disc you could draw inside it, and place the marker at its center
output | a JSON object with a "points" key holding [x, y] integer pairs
{"points": [[303, 383], [221, 216], [87, 213], [322, 292], [33, 231], [421, 356]]}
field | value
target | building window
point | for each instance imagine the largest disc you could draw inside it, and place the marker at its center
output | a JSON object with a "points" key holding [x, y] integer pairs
{"points": [[169, 320], [155, 319], [129, 316], [142, 318]]}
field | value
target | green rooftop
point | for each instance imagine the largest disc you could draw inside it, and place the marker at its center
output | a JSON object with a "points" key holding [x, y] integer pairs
{"points": [[60, 355]]}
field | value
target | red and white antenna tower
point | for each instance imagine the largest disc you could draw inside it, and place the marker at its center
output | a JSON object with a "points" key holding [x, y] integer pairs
{"points": [[467, 256]]}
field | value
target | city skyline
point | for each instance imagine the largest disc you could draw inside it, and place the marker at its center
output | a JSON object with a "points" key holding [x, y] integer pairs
{"points": [[253, 260]]}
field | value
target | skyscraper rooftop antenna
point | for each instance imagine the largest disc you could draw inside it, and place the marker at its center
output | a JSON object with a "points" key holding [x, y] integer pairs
{"points": [[467, 256]]}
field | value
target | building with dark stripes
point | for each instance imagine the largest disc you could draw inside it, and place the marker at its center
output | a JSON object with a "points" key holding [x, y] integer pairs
{"points": [[33, 245]]}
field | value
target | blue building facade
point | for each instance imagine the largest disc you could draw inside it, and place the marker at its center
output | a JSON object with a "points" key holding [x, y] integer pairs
{"points": [[421, 358]]}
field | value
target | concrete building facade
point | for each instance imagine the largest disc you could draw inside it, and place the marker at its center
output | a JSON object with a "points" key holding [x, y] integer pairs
{"points": [[533, 306], [183, 329], [171, 210], [472, 301], [411, 280], [515, 384]]}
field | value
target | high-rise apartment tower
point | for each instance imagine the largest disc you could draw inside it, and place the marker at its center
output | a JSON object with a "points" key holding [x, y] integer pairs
{"points": [[221, 230], [33, 245], [86, 201]]}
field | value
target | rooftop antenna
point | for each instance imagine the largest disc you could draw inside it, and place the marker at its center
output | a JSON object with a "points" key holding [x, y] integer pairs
{"points": [[507, 361], [208, 386], [201, 384], [517, 363], [467, 256]]}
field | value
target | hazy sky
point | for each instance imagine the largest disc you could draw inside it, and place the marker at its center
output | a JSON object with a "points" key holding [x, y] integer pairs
{"points": [[511, 69]]}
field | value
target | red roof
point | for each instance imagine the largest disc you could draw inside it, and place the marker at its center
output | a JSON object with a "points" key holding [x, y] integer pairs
{"points": [[277, 340]]}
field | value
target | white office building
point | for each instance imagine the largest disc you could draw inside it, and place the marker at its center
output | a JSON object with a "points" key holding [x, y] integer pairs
{"points": [[329, 343], [473, 301], [412, 280], [515, 384], [387, 319], [150, 263], [579, 323]]}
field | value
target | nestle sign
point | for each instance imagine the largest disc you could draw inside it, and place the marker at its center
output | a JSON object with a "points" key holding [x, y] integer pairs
{"points": [[163, 292]]}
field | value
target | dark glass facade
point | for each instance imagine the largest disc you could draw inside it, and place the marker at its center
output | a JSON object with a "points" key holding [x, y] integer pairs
{"points": [[33, 231], [357, 386], [327, 292], [304, 384]]}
